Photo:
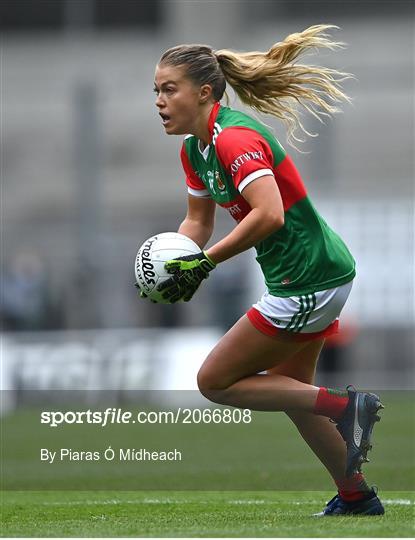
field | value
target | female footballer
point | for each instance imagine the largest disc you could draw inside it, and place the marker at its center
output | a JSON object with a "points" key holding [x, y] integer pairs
{"points": [[267, 360]]}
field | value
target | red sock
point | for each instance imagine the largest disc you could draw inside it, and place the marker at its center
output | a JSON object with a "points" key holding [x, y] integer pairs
{"points": [[353, 488], [330, 403]]}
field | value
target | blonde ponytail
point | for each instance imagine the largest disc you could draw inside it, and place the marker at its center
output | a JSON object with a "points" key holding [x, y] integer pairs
{"points": [[273, 83]]}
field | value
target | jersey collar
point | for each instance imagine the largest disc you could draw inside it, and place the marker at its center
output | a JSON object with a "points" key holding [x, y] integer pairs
{"points": [[212, 119]]}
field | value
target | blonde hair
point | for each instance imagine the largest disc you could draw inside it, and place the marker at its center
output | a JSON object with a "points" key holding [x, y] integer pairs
{"points": [[270, 82]]}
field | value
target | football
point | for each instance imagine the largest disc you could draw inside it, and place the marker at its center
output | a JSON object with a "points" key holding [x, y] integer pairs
{"points": [[153, 254]]}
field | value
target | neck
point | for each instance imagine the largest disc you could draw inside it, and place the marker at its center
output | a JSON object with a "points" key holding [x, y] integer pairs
{"points": [[201, 130]]}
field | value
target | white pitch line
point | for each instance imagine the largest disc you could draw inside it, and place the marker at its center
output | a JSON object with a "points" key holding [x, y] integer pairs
{"points": [[394, 502], [115, 502], [403, 502], [248, 501]]}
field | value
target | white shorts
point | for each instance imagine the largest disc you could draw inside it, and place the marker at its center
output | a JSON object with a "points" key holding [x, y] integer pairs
{"points": [[309, 316]]}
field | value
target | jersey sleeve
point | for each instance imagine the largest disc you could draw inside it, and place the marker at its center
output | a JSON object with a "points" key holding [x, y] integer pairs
{"points": [[195, 186], [244, 154]]}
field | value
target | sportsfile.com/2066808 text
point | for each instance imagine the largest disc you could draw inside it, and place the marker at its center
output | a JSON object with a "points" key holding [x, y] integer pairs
{"points": [[113, 415]]}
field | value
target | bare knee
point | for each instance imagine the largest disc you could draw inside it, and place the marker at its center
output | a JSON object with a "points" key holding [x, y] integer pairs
{"points": [[211, 384], [208, 384]]}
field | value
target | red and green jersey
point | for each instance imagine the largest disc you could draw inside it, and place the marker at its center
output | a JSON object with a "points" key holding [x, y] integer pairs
{"points": [[302, 257]]}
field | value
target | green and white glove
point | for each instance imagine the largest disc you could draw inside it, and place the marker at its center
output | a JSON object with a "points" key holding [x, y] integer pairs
{"points": [[142, 294], [188, 273]]}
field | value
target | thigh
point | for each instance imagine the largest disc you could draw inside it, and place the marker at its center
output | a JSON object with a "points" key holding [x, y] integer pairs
{"points": [[245, 351], [302, 365]]}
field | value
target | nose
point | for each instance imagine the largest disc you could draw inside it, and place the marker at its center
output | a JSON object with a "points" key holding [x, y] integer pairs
{"points": [[159, 101]]}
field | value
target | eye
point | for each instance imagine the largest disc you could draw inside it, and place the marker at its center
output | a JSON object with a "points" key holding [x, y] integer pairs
{"points": [[156, 91]]}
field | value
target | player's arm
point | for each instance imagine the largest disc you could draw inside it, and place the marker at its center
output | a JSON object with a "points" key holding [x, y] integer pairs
{"points": [[197, 225], [266, 216], [200, 219]]}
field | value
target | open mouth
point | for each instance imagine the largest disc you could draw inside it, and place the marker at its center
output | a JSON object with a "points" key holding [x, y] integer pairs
{"points": [[164, 118]]}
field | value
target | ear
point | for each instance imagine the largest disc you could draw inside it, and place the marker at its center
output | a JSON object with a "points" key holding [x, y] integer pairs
{"points": [[205, 93]]}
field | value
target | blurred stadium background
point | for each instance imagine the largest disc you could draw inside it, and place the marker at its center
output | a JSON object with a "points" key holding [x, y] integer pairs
{"points": [[88, 175]]}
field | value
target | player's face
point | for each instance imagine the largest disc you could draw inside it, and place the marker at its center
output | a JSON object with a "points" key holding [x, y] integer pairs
{"points": [[178, 99]]}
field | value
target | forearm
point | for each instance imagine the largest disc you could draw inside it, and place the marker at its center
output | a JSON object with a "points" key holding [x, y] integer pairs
{"points": [[252, 229], [197, 231]]}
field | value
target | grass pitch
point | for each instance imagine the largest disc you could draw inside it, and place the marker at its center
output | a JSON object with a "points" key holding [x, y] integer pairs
{"points": [[195, 514], [262, 489]]}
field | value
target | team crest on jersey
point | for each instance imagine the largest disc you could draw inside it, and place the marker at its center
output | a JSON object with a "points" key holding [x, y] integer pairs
{"points": [[219, 181]]}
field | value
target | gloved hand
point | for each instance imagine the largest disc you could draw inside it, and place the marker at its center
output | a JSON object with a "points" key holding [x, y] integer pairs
{"points": [[188, 273], [142, 294]]}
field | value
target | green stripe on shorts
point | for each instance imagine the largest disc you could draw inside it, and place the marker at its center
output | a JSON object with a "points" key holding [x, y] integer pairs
{"points": [[300, 322], [313, 305], [291, 325]]}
